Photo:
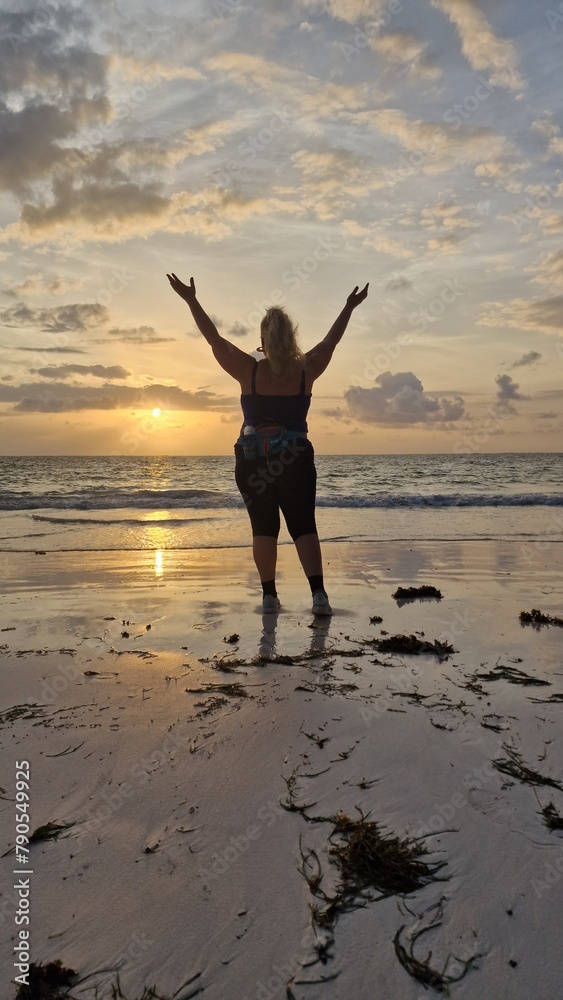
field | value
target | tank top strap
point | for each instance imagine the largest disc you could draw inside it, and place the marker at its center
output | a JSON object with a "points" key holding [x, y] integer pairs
{"points": [[302, 387], [253, 382]]}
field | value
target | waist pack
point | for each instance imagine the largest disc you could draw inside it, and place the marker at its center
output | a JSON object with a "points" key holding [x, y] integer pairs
{"points": [[267, 440]]}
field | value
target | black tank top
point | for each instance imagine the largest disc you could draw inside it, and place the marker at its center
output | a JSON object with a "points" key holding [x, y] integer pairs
{"points": [[289, 411]]}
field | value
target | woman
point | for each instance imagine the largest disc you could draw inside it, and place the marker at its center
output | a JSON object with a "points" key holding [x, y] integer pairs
{"points": [[276, 393]]}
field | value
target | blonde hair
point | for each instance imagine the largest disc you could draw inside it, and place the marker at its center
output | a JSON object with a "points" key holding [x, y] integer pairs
{"points": [[280, 342]]}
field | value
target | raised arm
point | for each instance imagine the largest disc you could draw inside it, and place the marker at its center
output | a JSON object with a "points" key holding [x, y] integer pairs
{"points": [[318, 358], [234, 361]]}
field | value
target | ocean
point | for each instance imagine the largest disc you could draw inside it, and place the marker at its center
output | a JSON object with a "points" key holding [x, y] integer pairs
{"points": [[134, 503]]}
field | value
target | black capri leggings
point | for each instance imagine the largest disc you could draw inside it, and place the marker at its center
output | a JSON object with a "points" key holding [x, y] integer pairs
{"points": [[286, 481]]}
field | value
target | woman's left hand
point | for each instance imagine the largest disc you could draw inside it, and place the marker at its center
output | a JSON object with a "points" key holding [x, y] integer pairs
{"points": [[356, 297], [186, 292]]}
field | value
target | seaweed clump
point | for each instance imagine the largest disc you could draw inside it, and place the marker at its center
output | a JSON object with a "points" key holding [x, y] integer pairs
{"points": [[413, 593], [513, 675], [49, 831], [514, 766], [551, 817], [537, 618], [46, 982], [421, 970], [368, 859], [411, 644]]}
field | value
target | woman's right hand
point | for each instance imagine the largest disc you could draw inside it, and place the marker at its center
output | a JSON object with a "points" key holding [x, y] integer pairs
{"points": [[186, 292], [356, 297]]}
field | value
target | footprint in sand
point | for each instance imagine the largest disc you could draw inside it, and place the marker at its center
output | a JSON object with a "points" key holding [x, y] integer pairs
{"points": [[492, 805]]}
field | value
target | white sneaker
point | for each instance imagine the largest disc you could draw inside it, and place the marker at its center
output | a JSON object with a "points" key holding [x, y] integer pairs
{"points": [[321, 604], [270, 604]]}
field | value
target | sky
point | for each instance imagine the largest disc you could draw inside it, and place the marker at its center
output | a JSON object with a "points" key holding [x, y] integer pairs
{"points": [[281, 153]]}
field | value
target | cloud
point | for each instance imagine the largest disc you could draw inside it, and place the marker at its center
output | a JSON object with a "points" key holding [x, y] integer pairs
{"points": [[444, 215], [130, 67], [446, 221], [350, 11], [388, 245], [480, 46], [549, 271], [552, 223], [238, 330], [110, 210], [507, 391], [56, 157], [49, 53], [398, 284], [331, 177], [52, 350], [55, 319], [402, 47], [336, 413], [527, 359], [433, 147], [135, 335], [550, 130], [522, 314], [374, 237], [60, 397], [547, 127], [38, 285], [500, 167], [62, 157], [296, 92], [65, 371], [52, 86], [400, 399], [445, 244], [114, 213], [31, 149], [208, 136]]}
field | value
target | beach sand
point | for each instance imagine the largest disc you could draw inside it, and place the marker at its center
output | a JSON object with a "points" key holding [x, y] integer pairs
{"points": [[181, 867]]}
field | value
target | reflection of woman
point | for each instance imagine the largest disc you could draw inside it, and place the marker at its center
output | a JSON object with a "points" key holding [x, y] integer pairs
{"points": [[277, 391]]}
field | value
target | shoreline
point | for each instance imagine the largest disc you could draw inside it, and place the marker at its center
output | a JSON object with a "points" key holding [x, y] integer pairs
{"points": [[182, 862]]}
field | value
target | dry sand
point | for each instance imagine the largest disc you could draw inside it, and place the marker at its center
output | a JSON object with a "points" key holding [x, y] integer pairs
{"points": [[182, 867]]}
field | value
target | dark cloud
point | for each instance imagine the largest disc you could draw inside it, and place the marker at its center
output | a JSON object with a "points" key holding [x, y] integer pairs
{"points": [[336, 413], [57, 155], [52, 350], [398, 284], [60, 397], [30, 149], [37, 284], [527, 359], [136, 335], [94, 203], [400, 399], [58, 80], [238, 330], [65, 371], [46, 49], [55, 319], [539, 314], [507, 391]]}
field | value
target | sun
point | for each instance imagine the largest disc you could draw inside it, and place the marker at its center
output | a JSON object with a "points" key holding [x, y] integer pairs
{"points": [[156, 412]]}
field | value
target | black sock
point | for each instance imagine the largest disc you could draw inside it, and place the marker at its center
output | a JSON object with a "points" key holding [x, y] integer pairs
{"points": [[316, 583], [269, 588]]}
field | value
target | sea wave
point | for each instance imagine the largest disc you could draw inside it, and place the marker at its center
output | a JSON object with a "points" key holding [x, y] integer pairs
{"points": [[91, 499], [152, 500], [144, 522]]}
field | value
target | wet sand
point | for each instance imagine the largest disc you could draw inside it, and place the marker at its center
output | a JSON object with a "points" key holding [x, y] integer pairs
{"points": [[182, 868]]}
